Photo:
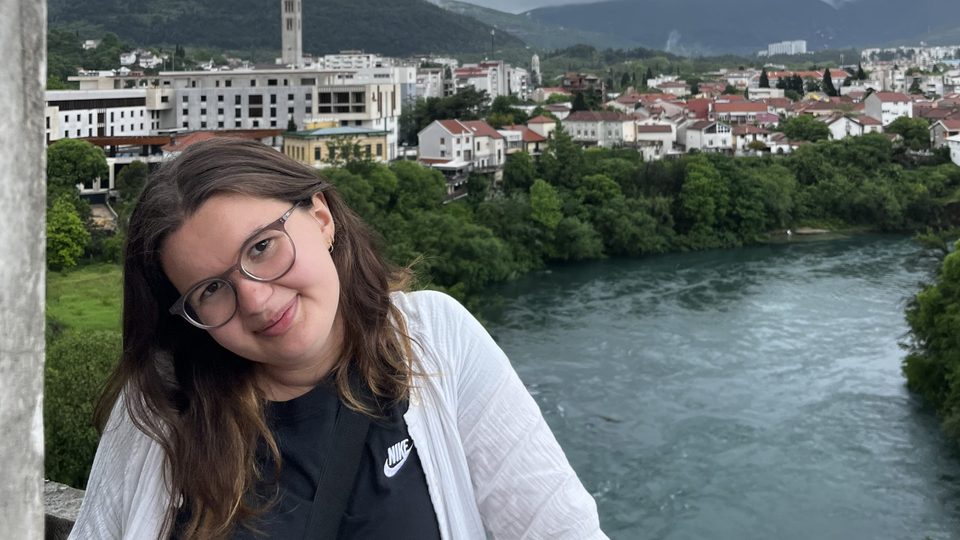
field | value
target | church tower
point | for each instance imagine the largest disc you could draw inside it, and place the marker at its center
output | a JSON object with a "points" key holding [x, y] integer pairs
{"points": [[291, 33]]}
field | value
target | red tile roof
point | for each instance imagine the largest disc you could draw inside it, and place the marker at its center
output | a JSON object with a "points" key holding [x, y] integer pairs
{"points": [[454, 126], [868, 120], [597, 116], [541, 120], [654, 129], [432, 161], [952, 124], [743, 106], [482, 129], [749, 130], [529, 135], [890, 97]]}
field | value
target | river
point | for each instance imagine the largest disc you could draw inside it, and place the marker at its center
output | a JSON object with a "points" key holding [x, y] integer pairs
{"points": [[742, 394]]}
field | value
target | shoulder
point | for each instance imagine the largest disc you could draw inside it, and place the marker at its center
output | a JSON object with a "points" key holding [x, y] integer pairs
{"points": [[427, 311]]}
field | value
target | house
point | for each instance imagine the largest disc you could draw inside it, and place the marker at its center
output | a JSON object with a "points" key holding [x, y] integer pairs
{"points": [[600, 128], [654, 141], [709, 136], [542, 94], [942, 130], [543, 125], [700, 107], [522, 138], [745, 137], [675, 88], [743, 112], [842, 126], [446, 141], [489, 149], [954, 144], [888, 106], [318, 147], [559, 110]]}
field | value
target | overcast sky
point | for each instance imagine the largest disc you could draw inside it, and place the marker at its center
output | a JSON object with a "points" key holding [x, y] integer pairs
{"points": [[519, 6]]}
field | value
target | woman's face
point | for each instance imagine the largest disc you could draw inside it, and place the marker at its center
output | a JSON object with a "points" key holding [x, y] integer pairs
{"points": [[289, 324]]}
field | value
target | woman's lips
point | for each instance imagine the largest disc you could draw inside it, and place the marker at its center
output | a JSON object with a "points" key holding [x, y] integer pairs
{"points": [[285, 321]]}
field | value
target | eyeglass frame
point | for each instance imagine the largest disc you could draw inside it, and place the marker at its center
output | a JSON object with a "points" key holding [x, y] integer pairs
{"points": [[179, 307]]}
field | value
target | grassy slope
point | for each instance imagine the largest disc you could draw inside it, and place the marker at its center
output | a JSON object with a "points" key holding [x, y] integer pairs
{"points": [[86, 299]]}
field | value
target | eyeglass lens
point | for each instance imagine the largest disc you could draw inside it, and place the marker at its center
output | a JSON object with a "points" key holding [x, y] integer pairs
{"points": [[265, 257]]}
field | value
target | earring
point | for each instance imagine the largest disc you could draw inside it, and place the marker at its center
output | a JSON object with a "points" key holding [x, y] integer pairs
{"points": [[332, 240]]}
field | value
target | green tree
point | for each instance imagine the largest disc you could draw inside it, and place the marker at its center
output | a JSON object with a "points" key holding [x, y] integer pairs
{"points": [[66, 236], [827, 84], [915, 87], [72, 162], [519, 172], [805, 128], [129, 183], [545, 204], [579, 103], [861, 75], [915, 132], [764, 79]]}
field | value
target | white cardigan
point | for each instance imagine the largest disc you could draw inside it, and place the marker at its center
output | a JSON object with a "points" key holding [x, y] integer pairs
{"points": [[491, 463]]}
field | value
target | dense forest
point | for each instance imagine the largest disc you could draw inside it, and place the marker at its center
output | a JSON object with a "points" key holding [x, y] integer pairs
{"points": [[398, 27]]}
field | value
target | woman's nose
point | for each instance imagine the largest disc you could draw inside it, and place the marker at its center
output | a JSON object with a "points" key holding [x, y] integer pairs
{"points": [[252, 295]]}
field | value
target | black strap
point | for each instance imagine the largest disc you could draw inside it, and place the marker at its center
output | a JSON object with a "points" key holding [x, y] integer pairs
{"points": [[338, 474]]}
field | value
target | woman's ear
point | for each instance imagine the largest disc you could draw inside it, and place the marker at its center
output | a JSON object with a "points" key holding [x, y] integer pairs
{"points": [[321, 213]]}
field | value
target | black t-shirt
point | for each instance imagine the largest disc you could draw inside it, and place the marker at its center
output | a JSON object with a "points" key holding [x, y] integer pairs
{"points": [[390, 497]]}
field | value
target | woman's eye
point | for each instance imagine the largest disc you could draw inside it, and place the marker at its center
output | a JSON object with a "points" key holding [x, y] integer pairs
{"points": [[261, 247], [210, 290]]}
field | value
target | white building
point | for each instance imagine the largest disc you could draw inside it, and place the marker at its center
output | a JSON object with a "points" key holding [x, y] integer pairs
{"points": [[350, 59], [77, 114], [495, 77], [842, 126], [709, 136], [432, 83], [954, 144], [787, 47], [888, 106], [654, 141], [446, 141], [600, 128], [489, 146]]}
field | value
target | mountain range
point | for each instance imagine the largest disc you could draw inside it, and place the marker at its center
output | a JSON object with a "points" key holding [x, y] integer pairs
{"points": [[745, 26], [397, 27]]}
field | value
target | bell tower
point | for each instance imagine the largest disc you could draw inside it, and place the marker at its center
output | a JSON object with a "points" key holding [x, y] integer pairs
{"points": [[291, 32]]}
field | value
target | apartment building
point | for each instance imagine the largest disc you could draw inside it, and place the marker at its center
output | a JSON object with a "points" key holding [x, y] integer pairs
{"points": [[97, 113]]}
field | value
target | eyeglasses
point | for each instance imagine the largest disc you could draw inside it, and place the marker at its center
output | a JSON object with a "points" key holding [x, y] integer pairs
{"points": [[266, 256]]}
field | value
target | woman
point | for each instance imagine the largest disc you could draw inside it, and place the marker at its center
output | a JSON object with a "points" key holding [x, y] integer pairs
{"points": [[258, 321]]}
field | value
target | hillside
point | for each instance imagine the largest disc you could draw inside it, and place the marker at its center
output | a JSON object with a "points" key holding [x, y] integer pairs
{"points": [[398, 27], [536, 33], [748, 25]]}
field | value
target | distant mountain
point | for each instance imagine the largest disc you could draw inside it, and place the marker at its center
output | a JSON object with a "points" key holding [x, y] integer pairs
{"points": [[746, 26], [535, 32], [397, 27]]}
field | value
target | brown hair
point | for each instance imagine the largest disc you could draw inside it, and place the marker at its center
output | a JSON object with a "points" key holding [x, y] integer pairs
{"points": [[198, 400]]}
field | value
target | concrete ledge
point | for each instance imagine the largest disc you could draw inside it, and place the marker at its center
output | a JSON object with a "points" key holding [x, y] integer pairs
{"points": [[61, 505]]}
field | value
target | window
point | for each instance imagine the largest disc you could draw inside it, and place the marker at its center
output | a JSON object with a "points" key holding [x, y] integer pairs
{"points": [[443, 141], [273, 99], [273, 112], [289, 97], [443, 153], [121, 116], [164, 99], [220, 125], [186, 99], [203, 112], [184, 125], [236, 100], [111, 117], [316, 153], [228, 83], [309, 109], [220, 112], [236, 123], [271, 82], [220, 98], [289, 110], [253, 82], [203, 99], [367, 150], [256, 123], [255, 100], [457, 141], [203, 125], [379, 149], [273, 123]]}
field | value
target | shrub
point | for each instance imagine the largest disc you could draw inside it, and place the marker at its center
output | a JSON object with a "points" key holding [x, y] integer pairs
{"points": [[77, 367]]}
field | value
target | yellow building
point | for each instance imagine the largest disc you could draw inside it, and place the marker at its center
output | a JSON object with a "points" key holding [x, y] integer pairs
{"points": [[325, 147]]}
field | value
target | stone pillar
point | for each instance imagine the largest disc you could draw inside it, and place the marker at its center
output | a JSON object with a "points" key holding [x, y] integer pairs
{"points": [[23, 28]]}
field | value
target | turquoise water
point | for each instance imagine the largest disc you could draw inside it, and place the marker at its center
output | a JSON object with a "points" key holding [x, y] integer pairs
{"points": [[751, 393]]}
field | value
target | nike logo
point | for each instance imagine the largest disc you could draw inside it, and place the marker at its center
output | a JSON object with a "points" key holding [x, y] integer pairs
{"points": [[396, 457]]}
